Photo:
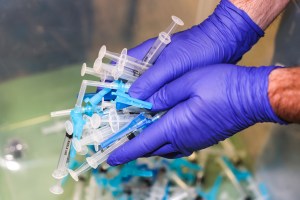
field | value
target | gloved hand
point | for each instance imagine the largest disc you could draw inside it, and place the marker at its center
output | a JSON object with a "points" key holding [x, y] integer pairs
{"points": [[223, 38], [208, 105]]}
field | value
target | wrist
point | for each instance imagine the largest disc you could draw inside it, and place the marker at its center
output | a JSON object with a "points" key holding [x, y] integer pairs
{"points": [[262, 12], [284, 93], [236, 32], [251, 95]]}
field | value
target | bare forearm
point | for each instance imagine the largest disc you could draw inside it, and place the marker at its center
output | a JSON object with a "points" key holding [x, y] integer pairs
{"points": [[262, 12], [284, 93]]}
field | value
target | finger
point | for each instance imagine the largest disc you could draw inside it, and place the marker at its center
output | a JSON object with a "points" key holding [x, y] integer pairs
{"points": [[166, 68], [149, 140], [150, 81], [174, 92]]}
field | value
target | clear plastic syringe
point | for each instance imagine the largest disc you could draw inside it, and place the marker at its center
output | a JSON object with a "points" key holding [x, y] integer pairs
{"points": [[135, 124], [118, 70], [130, 63], [61, 170], [164, 38], [101, 156], [125, 67], [98, 158], [97, 136]]}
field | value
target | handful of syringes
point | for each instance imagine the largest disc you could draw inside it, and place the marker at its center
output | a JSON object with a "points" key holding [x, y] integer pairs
{"points": [[103, 121]]}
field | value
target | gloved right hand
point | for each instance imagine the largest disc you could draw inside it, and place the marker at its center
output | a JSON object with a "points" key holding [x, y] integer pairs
{"points": [[222, 38], [205, 106]]}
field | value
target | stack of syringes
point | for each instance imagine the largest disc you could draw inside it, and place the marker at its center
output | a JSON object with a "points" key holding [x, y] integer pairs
{"points": [[110, 117]]}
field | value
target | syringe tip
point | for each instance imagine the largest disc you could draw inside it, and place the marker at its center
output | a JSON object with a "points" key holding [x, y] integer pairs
{"points": [[73, 174], [56, 189]]}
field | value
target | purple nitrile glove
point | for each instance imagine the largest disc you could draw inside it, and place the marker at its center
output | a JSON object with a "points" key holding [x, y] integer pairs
{"points": [[222, 38], [208, 105]]}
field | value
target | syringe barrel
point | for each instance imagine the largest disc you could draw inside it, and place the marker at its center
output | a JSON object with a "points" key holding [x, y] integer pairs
{"points": [[131, 62], [61, 170], [65, 151], [161, 42], [164, 38], [130, 76]]}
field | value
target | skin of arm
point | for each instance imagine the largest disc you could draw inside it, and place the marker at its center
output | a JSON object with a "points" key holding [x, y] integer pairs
{"points": [[262, 12], [284, 93]]}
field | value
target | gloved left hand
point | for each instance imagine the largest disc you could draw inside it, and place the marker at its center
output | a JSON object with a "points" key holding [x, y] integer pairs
{"points": [[207, 105]]}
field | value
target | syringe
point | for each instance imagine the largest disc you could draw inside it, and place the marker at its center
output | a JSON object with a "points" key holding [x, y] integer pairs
{"points": [[131, 62], [98, 158], [118, 70], [126, 67], [97, 136], [135, 110], [116, 85], [138, 122], [101, 156], [61, 170], [164, 38]]}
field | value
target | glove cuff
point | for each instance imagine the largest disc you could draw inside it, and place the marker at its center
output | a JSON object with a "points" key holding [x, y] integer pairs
{"points": [[256, 93]]}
